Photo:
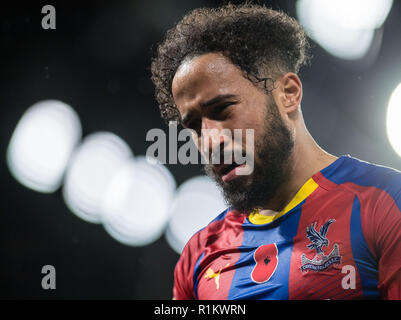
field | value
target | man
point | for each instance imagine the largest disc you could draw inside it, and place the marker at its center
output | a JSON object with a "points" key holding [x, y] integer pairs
{"points": [[304, 224]]}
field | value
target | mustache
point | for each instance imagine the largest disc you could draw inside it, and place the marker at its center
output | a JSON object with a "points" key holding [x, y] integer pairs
{"points": [[226, 156], [227, 160]]}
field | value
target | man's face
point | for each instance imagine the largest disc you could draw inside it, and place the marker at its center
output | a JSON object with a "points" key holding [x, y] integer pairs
{"points": [[211, 93]]}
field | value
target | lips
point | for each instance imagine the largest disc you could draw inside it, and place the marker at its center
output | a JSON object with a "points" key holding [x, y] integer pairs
{"points": [[226, 168], [228, 172]]}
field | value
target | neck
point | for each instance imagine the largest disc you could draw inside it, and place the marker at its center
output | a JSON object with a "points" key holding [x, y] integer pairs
{"points": [[307, 159]]}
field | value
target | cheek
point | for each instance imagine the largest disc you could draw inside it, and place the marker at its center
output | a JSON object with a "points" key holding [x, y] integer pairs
{"points": [[247, 118]]}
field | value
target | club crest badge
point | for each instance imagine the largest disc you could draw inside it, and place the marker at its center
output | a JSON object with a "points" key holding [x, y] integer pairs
{"points": [[318, 240]]}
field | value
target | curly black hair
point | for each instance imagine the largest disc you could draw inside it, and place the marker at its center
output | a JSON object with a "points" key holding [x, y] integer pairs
{"points": [[262, 42]]}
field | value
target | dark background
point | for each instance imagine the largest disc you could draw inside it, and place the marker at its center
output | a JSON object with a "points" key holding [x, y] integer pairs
{"points": [[98, 61]]}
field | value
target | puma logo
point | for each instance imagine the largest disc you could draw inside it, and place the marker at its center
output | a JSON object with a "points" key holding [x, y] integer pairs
{"points": [[215, 275]]}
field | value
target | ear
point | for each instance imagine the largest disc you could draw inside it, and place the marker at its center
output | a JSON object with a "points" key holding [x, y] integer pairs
{"points": [[288, 93]]}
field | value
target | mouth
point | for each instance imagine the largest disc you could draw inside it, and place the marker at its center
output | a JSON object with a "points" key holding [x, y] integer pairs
{"points": [[229, 172]]}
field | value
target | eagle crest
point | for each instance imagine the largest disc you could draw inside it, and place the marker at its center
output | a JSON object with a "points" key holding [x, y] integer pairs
{"points": [[318, 239]]}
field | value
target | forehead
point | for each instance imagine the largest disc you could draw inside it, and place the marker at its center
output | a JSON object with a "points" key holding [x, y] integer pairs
{"points": [[206, 76]]}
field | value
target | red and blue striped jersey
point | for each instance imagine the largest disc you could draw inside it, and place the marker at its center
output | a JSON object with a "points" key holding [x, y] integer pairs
{"points": [[339, 238]]}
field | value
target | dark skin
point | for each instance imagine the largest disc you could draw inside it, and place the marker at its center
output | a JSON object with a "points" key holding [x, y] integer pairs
{"points": [[212, 93]]}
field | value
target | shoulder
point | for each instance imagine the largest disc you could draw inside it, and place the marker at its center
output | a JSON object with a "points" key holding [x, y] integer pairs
{"points": [[197, 242], [363, 177], [194, 250]]}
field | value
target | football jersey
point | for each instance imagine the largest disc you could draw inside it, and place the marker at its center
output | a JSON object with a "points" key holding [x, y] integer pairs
{"points": [[339, 238]]}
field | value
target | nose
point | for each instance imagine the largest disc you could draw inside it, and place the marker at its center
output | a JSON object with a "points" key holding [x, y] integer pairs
{"points": [[210, 124], [213, 137]]}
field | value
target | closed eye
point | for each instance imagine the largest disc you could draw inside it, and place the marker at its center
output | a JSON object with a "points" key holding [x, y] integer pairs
{"points": [[223, 106], [215, 112], [218, 110]]}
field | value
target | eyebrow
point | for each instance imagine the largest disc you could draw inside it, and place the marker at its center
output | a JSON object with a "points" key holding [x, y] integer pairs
{"points": [[217, 99], [208, 103]]}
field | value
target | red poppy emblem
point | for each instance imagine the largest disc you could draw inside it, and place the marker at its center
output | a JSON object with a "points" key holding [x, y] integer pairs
{"points": [[266, 258]]}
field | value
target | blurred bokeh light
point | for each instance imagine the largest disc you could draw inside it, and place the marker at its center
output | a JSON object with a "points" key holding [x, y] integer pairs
{"points": [[90, 172], [345, 28], [394, 119], [135, 208], [42, 143], [197, 202]]}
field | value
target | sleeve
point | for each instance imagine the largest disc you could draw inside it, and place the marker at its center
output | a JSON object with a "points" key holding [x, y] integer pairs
{"points": [[192, 258], [386, 227], [183, 284], [389, 245], [184, 271]]}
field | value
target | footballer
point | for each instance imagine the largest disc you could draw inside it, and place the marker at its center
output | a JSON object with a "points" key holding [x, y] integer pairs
{"points": [[304, 224]]}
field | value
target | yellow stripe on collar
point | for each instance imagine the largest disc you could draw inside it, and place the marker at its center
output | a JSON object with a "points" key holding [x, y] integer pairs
{"points": [[256, 218]]}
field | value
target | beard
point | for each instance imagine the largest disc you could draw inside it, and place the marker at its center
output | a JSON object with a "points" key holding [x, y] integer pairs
{"points": [[273, 150]]}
